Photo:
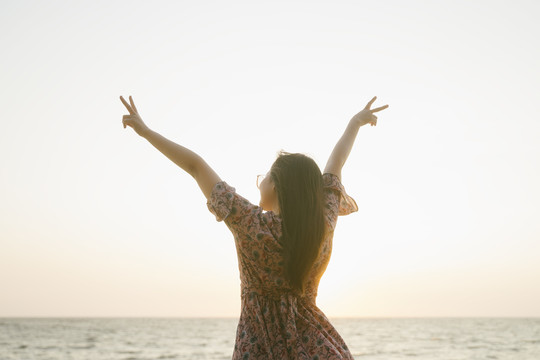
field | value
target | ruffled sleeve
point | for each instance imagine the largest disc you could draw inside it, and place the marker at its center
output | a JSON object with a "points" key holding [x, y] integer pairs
{"points": [[338, 202], [249, 226], [221, 200]]}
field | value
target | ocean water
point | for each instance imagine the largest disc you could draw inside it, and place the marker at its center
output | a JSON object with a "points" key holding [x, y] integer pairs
{"points": [[213, 338]]}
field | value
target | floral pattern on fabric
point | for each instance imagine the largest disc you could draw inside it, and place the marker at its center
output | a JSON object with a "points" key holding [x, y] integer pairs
{"points": [[275, 322]]}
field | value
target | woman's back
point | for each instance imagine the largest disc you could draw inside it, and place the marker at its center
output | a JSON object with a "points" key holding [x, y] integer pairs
{"points": [[275, 321]]}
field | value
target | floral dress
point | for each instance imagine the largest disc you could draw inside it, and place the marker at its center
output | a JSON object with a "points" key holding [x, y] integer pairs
{"points": [[275, 322]]}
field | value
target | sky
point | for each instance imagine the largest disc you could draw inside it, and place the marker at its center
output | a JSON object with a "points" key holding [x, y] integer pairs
{"points": [[94, 221]]}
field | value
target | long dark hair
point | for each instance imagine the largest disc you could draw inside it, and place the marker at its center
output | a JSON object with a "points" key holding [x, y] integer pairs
{"points": [[299, 187]]}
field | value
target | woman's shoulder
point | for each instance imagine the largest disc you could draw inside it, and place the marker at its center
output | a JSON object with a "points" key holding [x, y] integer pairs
{"points": [[225, 202], [332, 181]]}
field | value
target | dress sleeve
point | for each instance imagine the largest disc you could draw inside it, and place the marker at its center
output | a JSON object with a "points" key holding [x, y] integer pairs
{"points": [[336, 199], [227, 205], [221, 200], [250, 227]]}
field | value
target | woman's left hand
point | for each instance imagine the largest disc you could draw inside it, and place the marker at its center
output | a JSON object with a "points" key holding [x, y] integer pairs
{"points": [[366, 115]]}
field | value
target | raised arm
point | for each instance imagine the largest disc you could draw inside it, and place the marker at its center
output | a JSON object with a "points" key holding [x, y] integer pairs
{"points": [[188, 160], [344, 145]]}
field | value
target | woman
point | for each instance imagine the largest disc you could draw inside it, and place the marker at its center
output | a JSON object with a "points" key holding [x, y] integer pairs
{"points": [[283, 245]]}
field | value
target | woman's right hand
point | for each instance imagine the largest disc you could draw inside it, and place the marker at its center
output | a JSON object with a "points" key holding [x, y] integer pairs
{"points": [[366, 115], [133, 119]]}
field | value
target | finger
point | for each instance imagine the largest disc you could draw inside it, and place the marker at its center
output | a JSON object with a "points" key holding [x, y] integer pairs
{"points": [[132, 104], [127, 105], [380, 108], [126, 119], [370, 102]]}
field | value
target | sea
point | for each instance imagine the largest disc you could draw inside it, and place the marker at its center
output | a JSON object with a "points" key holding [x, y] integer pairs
{"points": [[213, 338]]}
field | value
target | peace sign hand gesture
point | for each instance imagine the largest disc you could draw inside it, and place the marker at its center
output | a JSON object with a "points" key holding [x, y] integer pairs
{"points": [[366, 115], [133, 119]]}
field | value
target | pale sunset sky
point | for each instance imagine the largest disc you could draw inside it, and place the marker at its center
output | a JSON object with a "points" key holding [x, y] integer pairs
{"points": [[94, 221]]}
